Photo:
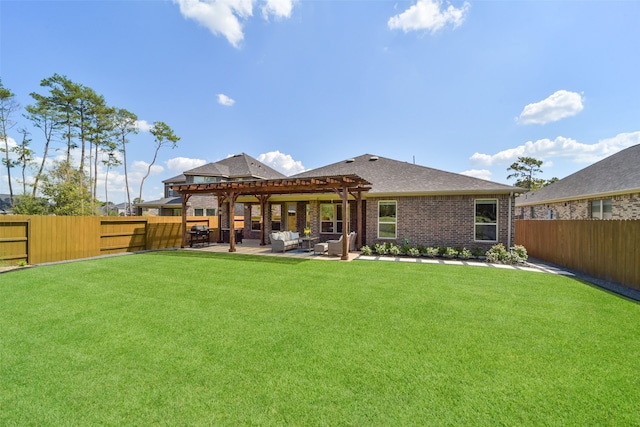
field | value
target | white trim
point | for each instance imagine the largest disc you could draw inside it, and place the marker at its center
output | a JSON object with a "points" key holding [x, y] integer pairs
{"points": [[497, 223], [395, 202]]}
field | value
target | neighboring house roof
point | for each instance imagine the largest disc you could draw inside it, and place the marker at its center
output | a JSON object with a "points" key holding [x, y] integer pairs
{"points": [[616, 174], [176, 179], [390, 176], [238, 166], [167, 202]]}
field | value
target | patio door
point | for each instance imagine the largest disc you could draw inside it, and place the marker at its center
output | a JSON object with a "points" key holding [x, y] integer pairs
{"points": [[292, 217]]}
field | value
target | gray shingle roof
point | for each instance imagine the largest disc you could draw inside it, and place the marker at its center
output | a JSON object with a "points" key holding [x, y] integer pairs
{"points": [[616, 174], [392, 176], [238, 166]]}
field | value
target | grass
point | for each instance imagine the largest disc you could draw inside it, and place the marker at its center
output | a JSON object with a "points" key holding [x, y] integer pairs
{"points": [[185, 338]]}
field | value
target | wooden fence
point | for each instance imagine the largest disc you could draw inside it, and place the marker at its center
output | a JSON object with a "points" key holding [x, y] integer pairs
{"points": [[41, 239], [608, 250]]}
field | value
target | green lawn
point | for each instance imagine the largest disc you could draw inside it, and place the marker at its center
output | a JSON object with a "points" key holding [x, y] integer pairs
{"points": [[186, 338]]}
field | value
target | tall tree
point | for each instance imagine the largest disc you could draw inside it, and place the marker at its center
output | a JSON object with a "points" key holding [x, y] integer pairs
{"points": [[524, 171], [163, 136], [101, 139], [125, 125], [24, 157], [67, 191], [43, 116], [63, 99], [8, 106], [111, 160]]}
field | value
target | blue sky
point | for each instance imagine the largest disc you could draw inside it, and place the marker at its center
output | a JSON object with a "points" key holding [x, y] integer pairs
{"points": [[461, 86]]}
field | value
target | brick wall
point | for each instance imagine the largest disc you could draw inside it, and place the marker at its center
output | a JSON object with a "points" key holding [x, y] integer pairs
{"points": [[626, 206], [439, 221]]}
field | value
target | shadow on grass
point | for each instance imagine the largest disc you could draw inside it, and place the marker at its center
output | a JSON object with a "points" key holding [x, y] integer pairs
{"points": [[230, 257]]}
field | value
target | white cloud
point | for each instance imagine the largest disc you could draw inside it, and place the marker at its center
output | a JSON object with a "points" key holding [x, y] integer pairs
{"points": [[225, 16], [139, 167], [429, 15], [560, 105], [225, 100], [143, 126], [181, 164], [561, 147], [277, 8], [478, 173], [283, 163]]}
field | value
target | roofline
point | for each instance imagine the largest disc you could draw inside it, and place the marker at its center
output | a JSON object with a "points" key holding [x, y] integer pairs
{"points": [[580, 197], [372, 194]]}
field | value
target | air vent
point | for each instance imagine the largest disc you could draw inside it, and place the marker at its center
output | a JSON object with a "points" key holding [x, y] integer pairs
{"points": [[373, 158], [351, 160]]}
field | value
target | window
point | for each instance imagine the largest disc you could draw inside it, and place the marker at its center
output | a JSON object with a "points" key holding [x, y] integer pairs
{"points": [[210, 212], [198, 212], [601, 209], [486, 222], [276, 217], [331, 218], [206, 179], [387, 219], [256, 217]]}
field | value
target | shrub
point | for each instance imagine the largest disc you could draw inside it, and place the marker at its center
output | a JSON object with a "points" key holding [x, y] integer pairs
{"points": [[498, 253], [380, 249], [414, 252], [521, 252], [404, 248], [366, 250], [477, 252], [464, 253], [431, 251], [393, 249], [449, 252]]}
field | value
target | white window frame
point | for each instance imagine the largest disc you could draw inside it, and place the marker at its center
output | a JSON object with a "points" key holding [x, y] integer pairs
{"points": [[484, 223], [394, 222], [601, 214]]}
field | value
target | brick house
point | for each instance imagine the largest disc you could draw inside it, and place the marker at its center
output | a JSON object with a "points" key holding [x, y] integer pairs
{"points": [[389, 201], [241, 167], [608, 189], [423, 205]]}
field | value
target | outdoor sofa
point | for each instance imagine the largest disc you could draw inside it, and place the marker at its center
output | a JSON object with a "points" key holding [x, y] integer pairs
{"points": [[284, 240]]}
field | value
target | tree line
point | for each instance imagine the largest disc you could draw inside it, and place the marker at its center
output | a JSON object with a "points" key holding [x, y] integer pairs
{"points": [[76, 116]]}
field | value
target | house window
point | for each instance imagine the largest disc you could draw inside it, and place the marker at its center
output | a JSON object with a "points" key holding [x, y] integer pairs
{"points": [[331, 218], [198, 212], [486, 220], [601, 209], [387, 219], [210, 212], [276, 217], [256, 217]]}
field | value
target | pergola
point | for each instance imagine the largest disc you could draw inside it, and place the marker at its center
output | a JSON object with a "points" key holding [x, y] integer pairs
{"points": [[343, 185]]}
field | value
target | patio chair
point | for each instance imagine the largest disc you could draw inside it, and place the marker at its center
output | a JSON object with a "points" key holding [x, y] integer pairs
{"points": [[335, 246]]}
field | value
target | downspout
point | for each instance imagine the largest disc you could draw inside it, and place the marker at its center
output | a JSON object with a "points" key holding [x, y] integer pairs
{"points": [[510, 221]]}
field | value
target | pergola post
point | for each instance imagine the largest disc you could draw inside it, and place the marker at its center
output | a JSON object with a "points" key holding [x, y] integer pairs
{"points": [[185, 199], [232, 196], [345, 229], [358, 197]]}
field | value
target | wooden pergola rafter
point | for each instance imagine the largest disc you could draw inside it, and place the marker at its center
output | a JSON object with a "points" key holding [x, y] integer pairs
{"points": [[343, 185]]}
